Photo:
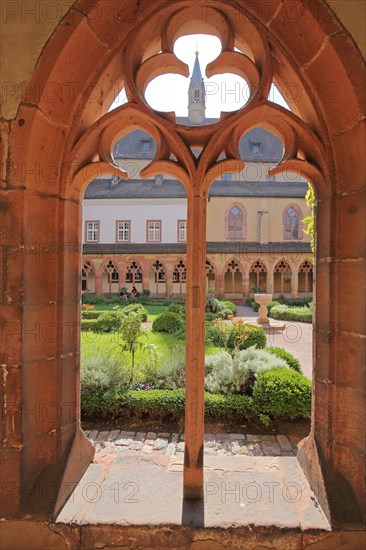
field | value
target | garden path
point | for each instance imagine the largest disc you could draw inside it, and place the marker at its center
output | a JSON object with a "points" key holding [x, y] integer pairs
{"points": [[297, 338]]}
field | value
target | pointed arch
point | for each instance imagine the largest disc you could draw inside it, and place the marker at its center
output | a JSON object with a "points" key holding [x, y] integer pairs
{"points": [[133, 275], [292, 227], [110, 277], [258, 276], [157, 277], [235, 222], [87, 277], [233, 277], [179, 277], [282, 274], [210, 277], [305, 277]]}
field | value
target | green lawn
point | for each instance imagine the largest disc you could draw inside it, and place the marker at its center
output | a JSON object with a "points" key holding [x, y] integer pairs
{"points": [[153, 310], [167, 346]]}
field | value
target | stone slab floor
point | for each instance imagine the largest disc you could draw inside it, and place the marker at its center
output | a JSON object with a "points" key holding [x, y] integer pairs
{"points": [[137, 478]]}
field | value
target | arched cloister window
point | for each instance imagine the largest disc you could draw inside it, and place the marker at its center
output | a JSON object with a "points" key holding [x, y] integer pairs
{"points": [[292, 217], [210, 278], [305, 277], [258, 277], [157, 278], [233, 278], [87, 277], [179, 277], [110, 278], [133, 274], [282, 277], [235, 222]]}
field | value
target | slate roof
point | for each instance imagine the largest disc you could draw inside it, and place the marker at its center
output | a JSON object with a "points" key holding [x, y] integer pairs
{"points": [[271, 148], [236, 248], [196, 74], [148, 189]]}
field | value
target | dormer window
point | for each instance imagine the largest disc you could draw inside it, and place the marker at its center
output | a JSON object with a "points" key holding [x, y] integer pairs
{"points": [[146, 145], [256, 148]]}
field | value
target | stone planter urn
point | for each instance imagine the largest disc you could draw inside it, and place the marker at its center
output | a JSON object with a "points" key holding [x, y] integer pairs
{"points": [[263, 300]]}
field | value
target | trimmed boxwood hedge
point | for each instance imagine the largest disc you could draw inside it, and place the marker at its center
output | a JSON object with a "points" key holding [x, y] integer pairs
{"points": [[91, 314], [292, 362], [168, 322], [282, 393], [299, 314], [160, 404], [89, 324]]}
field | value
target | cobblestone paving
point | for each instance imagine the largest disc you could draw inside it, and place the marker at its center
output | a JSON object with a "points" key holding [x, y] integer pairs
{"points": [[172, 444]]}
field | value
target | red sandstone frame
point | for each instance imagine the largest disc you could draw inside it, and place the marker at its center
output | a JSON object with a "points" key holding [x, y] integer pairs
{"points": [[76, 137]]}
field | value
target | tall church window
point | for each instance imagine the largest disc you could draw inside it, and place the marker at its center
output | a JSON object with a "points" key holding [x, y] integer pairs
{"points": [[291, 223], [235, 223]]}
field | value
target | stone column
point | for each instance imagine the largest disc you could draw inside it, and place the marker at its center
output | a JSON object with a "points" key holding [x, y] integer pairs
{"points": [[169, 282], [99, 282], [246, 289], [195, 347], [294, 281]]}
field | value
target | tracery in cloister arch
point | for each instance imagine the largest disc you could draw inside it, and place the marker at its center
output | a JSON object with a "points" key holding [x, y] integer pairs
{"points": [[87, 277], [178, 154]]}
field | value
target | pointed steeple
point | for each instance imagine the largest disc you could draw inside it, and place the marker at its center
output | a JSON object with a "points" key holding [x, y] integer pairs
{"points": [[196, 95], [196, 75]]}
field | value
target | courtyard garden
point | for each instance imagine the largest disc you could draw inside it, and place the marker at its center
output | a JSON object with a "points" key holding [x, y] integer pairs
{"points": [[133, 366]]}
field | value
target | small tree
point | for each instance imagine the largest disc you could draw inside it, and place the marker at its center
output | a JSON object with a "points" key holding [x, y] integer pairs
{"points": [[310, 220], [131, 331]]}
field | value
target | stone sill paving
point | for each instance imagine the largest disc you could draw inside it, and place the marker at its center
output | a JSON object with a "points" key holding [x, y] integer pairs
{"points": [[136, 479], [115, 442]]}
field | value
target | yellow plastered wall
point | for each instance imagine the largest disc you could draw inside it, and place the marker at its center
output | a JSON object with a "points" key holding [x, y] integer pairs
{"points": [[272, 227]]}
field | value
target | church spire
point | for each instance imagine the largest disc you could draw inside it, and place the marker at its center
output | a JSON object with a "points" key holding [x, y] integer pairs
{"points": [[196, 95]]}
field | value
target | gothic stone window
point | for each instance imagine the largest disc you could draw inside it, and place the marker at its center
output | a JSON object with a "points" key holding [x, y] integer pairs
{"points": [[233, 277], [133, 273], [235, 223], [258, 277], [291, 223], [112, 275], [305, 277], [282, 277]]}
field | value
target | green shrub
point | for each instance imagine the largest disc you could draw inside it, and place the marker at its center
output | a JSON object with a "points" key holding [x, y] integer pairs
{"points": [[300, 314], [168, 321], [299, 302], [139, 308], [236, 375], [109, 321], [254, 336], [213, 305], [210, 316], [283, 393], [89, 324], [291, 361], [145, 294], [177, 308], [92, 299], [212, 335], [91, 314], [160, 404], [170, 375], [102, 371], [249, 301], [272, 304], [230, 305]]}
